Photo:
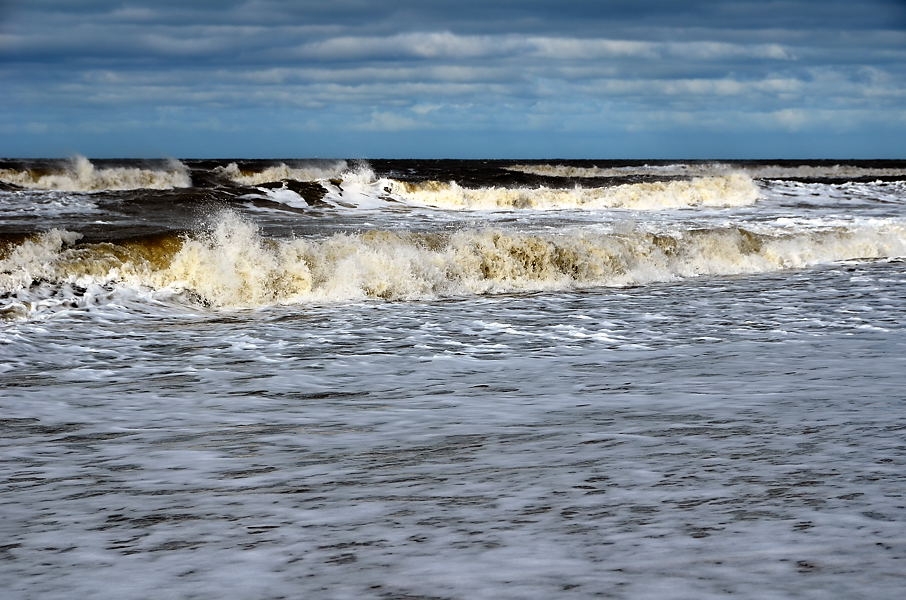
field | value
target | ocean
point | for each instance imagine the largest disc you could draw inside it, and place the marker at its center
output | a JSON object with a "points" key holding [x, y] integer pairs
{"points": [[452, 379]]}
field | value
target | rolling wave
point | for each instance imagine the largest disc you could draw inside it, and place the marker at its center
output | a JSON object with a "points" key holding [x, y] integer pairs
{"points": [[309, 171], [356, 185], [81, 175], [841, 172], [232, 265], [714, 192]]}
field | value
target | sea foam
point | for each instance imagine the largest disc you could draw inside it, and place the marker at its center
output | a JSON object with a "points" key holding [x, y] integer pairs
{"points": [[705, 169], [732, 190], [313, 171], [81, 175], [231, 264]]}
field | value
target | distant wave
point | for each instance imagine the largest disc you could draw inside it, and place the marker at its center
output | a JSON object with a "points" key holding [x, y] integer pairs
{"points": [[81, 175], [450, 185], [724, 191], [573, 171], [759, 171], [231, 264], [360, 188], [841, 172], [309, 171]]}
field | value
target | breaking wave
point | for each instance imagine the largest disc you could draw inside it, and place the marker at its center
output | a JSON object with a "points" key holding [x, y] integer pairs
{"points": [[760, 171], [841, 172], [716, 192], [573, 171], [232, 265], [310, 171], [357, 186], [343, 184], [81, 175]]}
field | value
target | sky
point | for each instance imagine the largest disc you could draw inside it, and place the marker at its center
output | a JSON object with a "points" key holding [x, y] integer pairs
{"points": [[453, 78]]}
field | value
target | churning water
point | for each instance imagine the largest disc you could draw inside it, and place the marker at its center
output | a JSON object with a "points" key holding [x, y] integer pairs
{"points": [[432, 379]]}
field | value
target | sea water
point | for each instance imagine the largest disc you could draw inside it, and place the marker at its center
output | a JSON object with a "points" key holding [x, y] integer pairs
{"points": [[452, 380]]}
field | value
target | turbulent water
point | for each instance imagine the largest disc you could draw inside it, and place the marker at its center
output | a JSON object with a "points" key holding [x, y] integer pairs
{"points": [[452, 379]]}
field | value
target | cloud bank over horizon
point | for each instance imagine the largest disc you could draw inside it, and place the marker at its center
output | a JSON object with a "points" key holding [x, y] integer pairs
{"points": [[533, 78]]}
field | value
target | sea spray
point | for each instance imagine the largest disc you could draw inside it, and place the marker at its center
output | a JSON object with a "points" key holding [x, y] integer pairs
{"points": [[81, 175], [698, 169], [231, 264], [732, 190], [309, 171]]}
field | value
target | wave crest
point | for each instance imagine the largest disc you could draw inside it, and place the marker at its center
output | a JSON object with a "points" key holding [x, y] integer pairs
{"points": [[314, 171], [757, 171], [81, 175], [233, 265], [730, 190]]}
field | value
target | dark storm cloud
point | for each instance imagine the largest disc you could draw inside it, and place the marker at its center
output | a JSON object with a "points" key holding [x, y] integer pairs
{"points": [[615, 67]]}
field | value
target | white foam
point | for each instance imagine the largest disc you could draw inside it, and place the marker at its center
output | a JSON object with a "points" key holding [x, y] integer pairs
{"points": [[34, 259], [314, 171], [730, 190], [842, 172], [287, 197], [233, 265], [358, 188], [80, 175], [44, 204], [572, 171], [764, 171]]}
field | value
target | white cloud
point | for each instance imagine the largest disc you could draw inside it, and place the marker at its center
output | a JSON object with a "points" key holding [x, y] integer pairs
{"points": [[133, 13], [712, 51], [425, 45], [590, 49], [387, 121], [447, 45], [424, 109], [791, 119]]}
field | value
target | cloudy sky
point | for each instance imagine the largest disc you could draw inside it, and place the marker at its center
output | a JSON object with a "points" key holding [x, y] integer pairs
{"points": [[453, 78]]}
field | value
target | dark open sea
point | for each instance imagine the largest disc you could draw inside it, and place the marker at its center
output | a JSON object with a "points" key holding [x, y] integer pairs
{"points": [[452, 379]]}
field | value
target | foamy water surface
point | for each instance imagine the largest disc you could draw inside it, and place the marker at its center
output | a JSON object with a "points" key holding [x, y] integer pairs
{"points": [[357, 395]]}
